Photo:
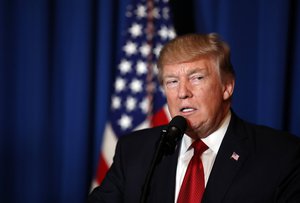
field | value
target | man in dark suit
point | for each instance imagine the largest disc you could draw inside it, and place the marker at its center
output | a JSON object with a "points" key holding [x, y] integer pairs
{"points": [[242, 162]]}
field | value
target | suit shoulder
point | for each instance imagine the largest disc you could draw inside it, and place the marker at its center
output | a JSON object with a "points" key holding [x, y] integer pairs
{"points": [[147, 135], [270, 138], [271, 134]]}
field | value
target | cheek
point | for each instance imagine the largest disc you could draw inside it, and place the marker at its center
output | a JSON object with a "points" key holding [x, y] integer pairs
{"points": [[170, 95], [171, 101], [209, 97]]}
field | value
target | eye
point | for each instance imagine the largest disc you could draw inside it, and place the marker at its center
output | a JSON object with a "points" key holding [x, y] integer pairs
{"points": [[170, 83], [196, 78]]}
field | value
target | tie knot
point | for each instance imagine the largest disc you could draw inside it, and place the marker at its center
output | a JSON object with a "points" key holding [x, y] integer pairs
{"points": [[199, 146]]}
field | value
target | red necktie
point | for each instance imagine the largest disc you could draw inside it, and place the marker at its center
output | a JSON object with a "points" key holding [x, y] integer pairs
{"points": [[193, 184]]}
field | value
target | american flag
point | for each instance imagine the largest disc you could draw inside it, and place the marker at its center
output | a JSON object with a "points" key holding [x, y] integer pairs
{"points": [[235, 156], [137, 100]]}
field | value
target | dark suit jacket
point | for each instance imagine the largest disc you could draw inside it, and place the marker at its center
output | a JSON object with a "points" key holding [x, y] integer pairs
{"points": [[267, 170]]}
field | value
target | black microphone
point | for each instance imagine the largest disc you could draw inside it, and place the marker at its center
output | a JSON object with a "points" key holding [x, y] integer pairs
{"points": [[173, 134], [167, 145]]}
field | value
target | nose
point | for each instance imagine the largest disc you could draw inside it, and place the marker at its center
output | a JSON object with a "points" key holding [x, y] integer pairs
{"points": [[184, 90]]}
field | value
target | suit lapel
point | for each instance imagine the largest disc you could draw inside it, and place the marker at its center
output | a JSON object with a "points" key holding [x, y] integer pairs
{"points": [[163, 185], [231, 156]]}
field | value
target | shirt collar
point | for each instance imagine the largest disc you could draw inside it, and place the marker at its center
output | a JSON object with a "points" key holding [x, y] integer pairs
{"points": [[213, 141]]}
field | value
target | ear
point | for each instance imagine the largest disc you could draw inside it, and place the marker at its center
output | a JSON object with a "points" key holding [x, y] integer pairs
{"points": [[228, 88]]}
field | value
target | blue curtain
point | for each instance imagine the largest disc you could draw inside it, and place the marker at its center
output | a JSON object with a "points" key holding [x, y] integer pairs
{"points": [[264, 37], [56, 69]]}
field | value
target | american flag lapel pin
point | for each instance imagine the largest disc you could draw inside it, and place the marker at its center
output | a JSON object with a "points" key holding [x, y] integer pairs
{"points": [[235, 156]]}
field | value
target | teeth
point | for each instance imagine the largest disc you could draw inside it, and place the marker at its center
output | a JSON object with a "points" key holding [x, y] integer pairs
{"points": [[187, 110]]}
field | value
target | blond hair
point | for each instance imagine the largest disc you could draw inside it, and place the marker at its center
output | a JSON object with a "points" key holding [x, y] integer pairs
{"points": [[192, 47]]}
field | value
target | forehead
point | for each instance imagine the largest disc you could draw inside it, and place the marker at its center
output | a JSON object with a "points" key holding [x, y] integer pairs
{"points": [[200, 65]]}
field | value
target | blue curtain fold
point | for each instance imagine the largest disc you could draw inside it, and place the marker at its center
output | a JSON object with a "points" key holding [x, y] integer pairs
{"points": [[47, 99], [57, 61], [263, 36]]}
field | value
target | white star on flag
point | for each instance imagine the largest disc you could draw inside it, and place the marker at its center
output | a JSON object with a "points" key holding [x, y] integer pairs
{"points": [[120, 84], [130, 48], [141, 11], [145, 50], [136, 86], [125, 66], [135, 30], [141, 67]]}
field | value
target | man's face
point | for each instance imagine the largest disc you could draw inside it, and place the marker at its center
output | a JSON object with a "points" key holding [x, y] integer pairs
{"points": [[195, 91]]}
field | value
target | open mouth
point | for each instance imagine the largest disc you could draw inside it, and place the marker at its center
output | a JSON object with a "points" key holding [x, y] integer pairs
{"points": [[187, 110]]}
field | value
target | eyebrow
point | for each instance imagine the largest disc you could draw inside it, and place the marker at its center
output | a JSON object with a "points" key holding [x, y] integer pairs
{"points": [[196, 70], [189, 72]]}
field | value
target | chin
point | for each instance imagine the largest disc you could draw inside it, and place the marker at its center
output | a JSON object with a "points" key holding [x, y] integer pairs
{"points": [[192, 134]]}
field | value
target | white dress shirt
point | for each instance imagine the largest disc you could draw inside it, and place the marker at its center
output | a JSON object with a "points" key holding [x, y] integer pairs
{"points": [[213, 141]]}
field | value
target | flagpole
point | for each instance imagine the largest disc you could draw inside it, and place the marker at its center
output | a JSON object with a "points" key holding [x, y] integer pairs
{"points": [[149, 37]]}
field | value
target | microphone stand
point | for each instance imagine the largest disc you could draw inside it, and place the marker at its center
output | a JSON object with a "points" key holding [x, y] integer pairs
{"points": [[165, 145]]}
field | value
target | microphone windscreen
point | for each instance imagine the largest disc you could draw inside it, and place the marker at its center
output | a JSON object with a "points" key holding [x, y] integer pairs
{"points": [[179, 122]]}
